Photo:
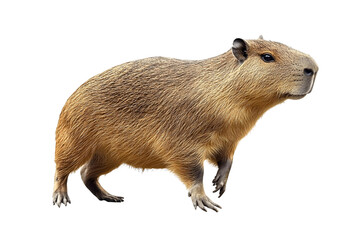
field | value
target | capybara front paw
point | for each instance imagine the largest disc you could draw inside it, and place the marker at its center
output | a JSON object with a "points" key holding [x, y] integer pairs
{"points": [[204, 201], [199, 199], [220, 180], [220, 184]]}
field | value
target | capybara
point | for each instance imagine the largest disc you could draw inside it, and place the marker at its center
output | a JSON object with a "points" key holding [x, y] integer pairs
{"points": [[175, 114]]}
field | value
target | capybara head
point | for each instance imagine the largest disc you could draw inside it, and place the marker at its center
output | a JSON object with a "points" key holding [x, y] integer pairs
{"points": [[272, 70]]}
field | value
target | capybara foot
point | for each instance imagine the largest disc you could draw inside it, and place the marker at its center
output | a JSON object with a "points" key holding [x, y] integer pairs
{"points": [[200, 200], [94, 186], [221, 177], [60, 197], [111, 198], [220, 184]]}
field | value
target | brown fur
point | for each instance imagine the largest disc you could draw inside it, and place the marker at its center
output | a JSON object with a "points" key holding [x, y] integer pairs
{"points": [[168, 113]]}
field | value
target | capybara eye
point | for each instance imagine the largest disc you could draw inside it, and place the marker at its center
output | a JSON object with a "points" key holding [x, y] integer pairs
{"points": [[266, 57]]}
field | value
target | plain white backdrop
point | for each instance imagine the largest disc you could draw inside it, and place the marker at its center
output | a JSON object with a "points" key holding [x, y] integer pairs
{"points": [[295, 176]]}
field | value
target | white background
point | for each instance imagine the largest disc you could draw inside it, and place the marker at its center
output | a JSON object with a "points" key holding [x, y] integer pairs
{"points": [[295, 176]]}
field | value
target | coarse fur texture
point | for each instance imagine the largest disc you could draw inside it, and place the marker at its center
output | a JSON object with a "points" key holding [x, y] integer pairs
{"points": [[175, 114]]}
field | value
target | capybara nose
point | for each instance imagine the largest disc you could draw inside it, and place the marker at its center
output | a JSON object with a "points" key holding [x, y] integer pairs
{"points": [[308, 72], [310, 67]]}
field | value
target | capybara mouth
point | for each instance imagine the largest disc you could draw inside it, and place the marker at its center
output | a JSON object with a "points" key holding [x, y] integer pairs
{"points": [[293, 96]]}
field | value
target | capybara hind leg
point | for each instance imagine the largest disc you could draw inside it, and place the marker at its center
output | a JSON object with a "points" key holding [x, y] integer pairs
{"points": [[60, 191], [94, 186], [192, 176], [90, 174], [68, 159]]}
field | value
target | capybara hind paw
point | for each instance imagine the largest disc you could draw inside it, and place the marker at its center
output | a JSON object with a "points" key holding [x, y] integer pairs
{"points": [[61, 197], [111, 198]]}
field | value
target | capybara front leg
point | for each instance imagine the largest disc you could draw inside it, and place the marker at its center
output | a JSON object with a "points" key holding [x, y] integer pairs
{"points": [[191, 173]]}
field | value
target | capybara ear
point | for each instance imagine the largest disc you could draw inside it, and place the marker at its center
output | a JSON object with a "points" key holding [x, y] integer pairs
{"points": [[240, 49], [261, 37]]}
